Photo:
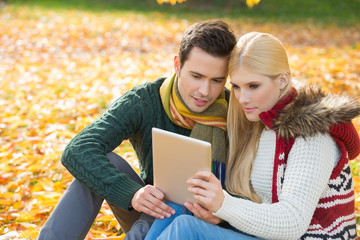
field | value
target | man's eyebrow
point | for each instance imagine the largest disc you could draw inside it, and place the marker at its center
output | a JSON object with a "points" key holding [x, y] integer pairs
{"points": [[199, 74], [193, 72]]}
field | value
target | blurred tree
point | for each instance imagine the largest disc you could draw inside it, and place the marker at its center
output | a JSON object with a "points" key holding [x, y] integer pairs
{"points": [[249, 3]]}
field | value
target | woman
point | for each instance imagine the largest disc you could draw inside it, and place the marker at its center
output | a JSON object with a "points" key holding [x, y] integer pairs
{"points": [[287, 175]]}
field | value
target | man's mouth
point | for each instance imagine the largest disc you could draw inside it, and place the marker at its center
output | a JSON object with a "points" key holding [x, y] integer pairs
{"points": [[200, 102]]}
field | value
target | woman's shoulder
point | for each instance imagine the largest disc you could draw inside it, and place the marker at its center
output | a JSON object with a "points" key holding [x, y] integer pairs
{"points": [[323, 139], [321, 144]]}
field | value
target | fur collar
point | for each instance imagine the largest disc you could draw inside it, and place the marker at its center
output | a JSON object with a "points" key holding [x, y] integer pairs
{"points": [[313, 111]]}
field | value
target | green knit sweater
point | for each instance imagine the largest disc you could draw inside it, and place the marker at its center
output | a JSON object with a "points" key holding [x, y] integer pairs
{"points": [[132, 117]]}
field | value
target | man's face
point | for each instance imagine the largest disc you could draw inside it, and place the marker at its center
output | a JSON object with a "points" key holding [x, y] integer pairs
{"points": [[201, 79]]}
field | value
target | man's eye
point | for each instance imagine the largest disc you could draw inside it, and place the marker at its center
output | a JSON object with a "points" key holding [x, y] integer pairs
{"points": [[196, 76]]}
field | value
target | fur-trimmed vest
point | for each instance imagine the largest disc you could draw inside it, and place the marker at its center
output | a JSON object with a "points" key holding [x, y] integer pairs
{"points": [[304, 113]]}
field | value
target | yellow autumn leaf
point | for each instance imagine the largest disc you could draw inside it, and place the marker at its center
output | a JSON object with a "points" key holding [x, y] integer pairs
{"points": [[30, 234], [113, 223], [104, 219], [357, 45], [37, 187], [4, 202], [7, 195], [251, 3], [25, 217], [172, 2], [18, 205]]}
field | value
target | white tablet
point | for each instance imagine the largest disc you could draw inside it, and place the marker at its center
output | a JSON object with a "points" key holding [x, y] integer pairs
{"points": [[176, 158]]}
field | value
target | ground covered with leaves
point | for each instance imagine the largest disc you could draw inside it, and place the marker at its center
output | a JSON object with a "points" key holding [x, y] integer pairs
{"points": [[60, 69]]}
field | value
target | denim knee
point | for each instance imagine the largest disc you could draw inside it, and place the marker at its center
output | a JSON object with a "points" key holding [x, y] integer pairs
{"points": [[185, 220], [180, 228]]}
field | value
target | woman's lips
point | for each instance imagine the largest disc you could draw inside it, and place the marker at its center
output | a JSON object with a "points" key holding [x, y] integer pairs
{"points": [[249, 110]]}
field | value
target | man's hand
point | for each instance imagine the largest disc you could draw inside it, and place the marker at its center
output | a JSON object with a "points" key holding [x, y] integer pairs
{"points": [[202, 213], [149, 200]]}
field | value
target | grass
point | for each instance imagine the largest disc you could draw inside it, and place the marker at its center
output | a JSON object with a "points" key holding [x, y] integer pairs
{"points": [[334, 12]]}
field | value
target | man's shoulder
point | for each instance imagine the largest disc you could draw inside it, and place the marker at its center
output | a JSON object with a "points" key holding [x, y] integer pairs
{"points": [[145, 90], [150, 85]]}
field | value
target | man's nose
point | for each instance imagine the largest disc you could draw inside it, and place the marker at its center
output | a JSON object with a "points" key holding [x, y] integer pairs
{"points": [[204, 88]]}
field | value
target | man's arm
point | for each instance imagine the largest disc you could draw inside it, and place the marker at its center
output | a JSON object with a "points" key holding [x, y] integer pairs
{"points": [[85, 156]]}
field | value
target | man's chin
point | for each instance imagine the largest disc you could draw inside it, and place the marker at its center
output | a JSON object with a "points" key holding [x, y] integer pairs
{"points": [[199, 109]]}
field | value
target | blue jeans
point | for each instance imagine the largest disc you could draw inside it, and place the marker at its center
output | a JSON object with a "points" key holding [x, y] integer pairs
{"points": [[183, 225], [159, 225]]}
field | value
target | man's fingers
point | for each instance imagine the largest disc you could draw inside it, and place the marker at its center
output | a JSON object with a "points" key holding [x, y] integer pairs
{"points": [[151, 209], [159, 207], [155, 192], [149, 200], [156, 199]]}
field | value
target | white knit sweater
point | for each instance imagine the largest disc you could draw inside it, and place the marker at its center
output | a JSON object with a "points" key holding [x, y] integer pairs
{"points": [[309, 166]]}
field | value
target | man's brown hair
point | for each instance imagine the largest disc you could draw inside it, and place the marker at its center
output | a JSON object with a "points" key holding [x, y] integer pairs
{"points": [[213, 36]]}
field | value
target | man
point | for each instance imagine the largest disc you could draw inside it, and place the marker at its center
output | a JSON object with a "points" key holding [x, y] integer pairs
{"points": [[191, 102]]}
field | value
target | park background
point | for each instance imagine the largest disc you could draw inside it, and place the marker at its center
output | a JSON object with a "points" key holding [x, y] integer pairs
{"points": [[62, 63]]}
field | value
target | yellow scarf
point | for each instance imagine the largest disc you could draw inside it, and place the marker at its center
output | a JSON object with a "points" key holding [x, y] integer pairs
{"points": [[209, 125]]}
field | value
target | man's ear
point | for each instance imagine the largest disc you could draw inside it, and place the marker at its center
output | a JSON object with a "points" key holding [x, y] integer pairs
{"points": [[284, 80], [177, 65]]}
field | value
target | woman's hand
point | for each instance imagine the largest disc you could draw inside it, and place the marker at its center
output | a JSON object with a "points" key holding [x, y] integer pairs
{"points": [[202, 213], [207, 190]]}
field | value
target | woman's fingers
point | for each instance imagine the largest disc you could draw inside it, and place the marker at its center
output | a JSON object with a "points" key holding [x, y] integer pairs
{"points": [[207, 190], [202, 213]]}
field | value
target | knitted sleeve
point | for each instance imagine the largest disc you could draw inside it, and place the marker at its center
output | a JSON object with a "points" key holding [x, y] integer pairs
{"points": [[308, 170], [85, 155]]}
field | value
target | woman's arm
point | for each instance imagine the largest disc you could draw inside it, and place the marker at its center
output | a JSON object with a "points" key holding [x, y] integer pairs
{"points": [[308, 170]]}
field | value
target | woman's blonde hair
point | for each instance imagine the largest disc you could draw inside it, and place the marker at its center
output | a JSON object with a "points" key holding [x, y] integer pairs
{"points": [[263, 54]]}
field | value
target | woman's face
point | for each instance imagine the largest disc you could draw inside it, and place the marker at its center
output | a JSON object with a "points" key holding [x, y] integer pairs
{"points": [[256, 93]]}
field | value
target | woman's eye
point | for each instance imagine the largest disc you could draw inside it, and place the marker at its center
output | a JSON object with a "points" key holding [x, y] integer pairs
{"points": [[254, 86]]}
